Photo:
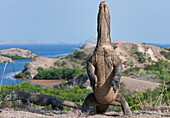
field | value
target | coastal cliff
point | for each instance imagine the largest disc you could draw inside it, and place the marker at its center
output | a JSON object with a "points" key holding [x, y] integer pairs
{"points": [[32, 68], [5, 60]]}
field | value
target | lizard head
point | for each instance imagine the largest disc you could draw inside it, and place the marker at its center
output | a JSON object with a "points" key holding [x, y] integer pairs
{"points": [[9, 96], [103, 25]]}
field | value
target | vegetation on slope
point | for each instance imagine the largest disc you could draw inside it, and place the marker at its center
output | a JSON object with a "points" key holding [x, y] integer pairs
{"points": [[66, 73], [77, 60], [76, 94], [166, 54], [139, 55], [17, 57], [74, 63], [61, 70], [159, 96], [160, 70], [138, 101]]}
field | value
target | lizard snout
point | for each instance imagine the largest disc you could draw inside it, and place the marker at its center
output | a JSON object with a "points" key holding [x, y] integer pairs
{"points": [[104, 7]]}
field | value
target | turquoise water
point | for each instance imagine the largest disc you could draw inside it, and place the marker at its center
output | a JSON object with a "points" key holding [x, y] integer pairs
{"points": [[42, 50]]}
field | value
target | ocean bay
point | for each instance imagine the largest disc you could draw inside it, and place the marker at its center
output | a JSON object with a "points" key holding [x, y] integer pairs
{"points": [[42, 50]]}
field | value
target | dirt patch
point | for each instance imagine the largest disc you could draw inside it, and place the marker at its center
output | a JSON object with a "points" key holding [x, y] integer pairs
{"points": [[45, 83], [138, 85]]}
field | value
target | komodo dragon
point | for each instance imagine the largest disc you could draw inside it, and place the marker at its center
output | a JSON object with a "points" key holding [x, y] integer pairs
{"points": [[39, 99], [104, 70]]}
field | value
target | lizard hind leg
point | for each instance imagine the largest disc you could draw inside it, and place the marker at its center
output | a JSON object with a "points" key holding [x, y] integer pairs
{"points": [[89, 101], [26, 101], [56, 105], [101, 108], [124, 104]]}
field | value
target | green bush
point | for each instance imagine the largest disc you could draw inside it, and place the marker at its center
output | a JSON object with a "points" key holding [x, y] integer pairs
{"points": [[134, 69], [39, 69], [57, 63], [150, 98], [114, 47], [20, 75], [144, 43], [14, 57], [80, 55], [166, 54], [76, 94], [167, 49], [141, 57], [66, 73]]}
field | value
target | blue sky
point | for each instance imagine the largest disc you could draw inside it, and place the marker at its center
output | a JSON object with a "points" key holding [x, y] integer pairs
{"points": [[75, 20]]}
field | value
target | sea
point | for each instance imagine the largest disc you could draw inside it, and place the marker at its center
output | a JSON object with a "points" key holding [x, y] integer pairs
{"points": [[42, 50]]}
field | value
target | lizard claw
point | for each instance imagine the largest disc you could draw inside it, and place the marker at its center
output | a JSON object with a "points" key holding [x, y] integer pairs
{"points": [[94, 85], [115, 89]]}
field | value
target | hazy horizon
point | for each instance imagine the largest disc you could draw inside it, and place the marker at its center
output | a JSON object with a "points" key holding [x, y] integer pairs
{"points": [[42, 21]]}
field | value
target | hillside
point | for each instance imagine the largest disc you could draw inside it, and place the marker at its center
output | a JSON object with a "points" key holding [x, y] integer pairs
{"points": [[8, 55], [131, 54], [134, 54]]}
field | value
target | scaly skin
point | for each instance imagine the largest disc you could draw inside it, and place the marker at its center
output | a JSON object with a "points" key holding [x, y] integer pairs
{"points": [[104, 69], [39, 99]]}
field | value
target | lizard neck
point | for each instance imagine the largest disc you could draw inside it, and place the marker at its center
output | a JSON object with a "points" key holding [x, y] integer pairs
{"points": [[103, 26]]}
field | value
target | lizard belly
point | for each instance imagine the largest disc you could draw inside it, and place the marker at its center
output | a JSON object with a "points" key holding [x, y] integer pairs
{"points": [[104, 71], [104, 97]]}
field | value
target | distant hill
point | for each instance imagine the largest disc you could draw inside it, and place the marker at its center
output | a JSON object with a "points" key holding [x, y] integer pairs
{"points": [[7, 55], [91, 40]]}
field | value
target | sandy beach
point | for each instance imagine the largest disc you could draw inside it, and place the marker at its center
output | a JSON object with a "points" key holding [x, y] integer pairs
{"points": [[45, 83]]}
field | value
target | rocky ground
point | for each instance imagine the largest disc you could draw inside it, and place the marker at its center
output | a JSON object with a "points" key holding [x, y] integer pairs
{"points": [[5, 59], [28, 113]]}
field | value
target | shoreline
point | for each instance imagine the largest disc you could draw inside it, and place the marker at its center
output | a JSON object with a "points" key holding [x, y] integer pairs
{"points": [[45, 83]]}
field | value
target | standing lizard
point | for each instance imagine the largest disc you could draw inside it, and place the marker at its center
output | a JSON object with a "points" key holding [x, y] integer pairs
{"points": [[104, 69]]}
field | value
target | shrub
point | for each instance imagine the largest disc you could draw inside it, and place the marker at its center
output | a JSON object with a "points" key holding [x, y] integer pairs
{"points": [[66, 73], [39, 69], [114, 47], [144, 43], [167, 49], [141, 58], [79, 55], [57, 63], [14, 57], [149, 59], [76, 94], [20, 75], [166, 54]]}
